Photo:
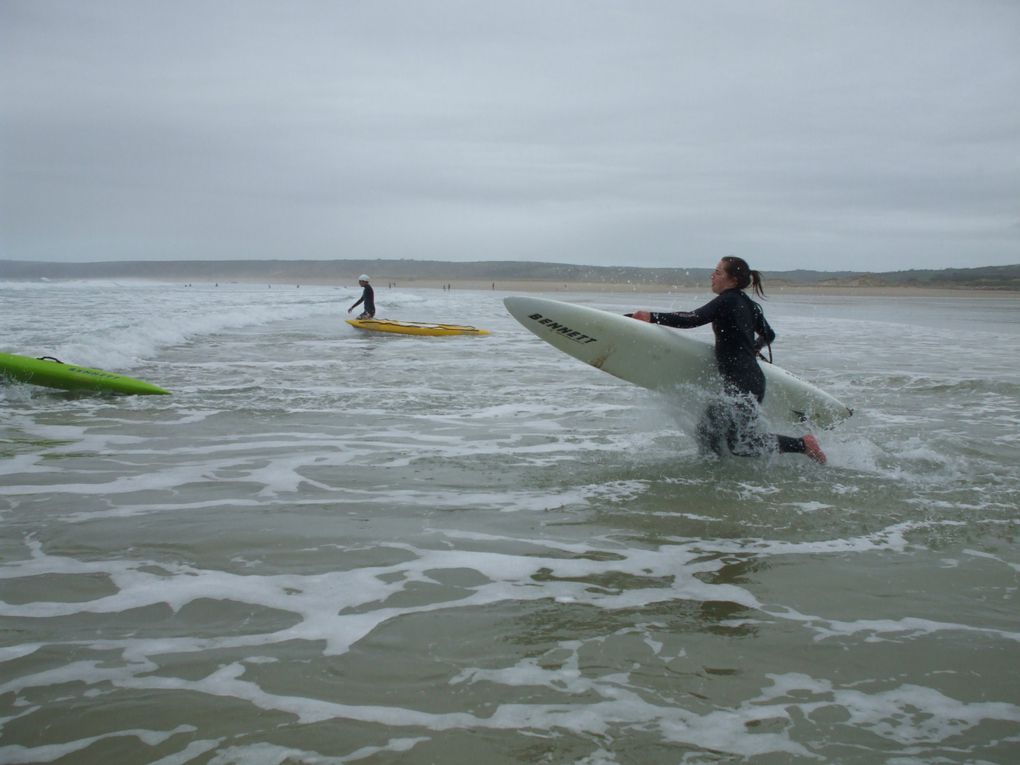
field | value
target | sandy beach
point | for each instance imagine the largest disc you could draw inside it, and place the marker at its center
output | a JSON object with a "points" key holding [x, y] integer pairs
{"points": [[546, 286], [539, 277]]}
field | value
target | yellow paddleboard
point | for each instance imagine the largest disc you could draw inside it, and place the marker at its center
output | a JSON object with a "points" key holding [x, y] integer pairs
{"points": [[415, 327]]}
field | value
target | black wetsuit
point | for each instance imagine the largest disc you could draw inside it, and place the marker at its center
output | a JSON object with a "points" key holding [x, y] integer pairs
{"points": [[736, 321], [740, 332], [368, 298]]}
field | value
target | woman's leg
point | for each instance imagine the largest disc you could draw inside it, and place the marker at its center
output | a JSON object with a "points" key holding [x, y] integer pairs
{"points": [[712, 428], [744, 434], [807, 445]]}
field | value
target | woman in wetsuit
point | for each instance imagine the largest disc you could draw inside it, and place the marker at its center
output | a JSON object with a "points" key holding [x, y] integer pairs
{"points": [[740, 333]]}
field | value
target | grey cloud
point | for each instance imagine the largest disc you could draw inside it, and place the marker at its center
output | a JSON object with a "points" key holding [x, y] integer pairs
{"points": [[867, 135]]}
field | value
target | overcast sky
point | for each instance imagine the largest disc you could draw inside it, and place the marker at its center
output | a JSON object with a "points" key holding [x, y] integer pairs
{"points": [[864, 135]]}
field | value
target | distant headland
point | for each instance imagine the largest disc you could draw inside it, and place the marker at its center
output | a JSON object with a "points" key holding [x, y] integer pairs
{"points": [[502, 274]]}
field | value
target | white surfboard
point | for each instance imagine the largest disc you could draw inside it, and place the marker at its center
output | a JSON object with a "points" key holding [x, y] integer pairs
{"points": [[664, 359]]}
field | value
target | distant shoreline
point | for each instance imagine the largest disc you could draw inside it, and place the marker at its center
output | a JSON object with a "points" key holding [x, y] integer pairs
{"points": [[528, 285], [553, 286], [519, 276]]}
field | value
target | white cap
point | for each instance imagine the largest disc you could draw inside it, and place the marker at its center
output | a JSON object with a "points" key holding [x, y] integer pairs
{"points": [[363, 278]]}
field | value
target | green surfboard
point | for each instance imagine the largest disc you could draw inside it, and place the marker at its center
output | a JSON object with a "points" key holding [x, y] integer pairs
{"points": [[56, 374]]}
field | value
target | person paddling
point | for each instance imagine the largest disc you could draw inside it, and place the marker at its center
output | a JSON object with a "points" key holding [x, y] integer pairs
{"points": [[367, 297], [740, 333]]}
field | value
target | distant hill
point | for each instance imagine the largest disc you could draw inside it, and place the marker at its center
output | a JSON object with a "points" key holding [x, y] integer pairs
{"points": [[408, 271]]}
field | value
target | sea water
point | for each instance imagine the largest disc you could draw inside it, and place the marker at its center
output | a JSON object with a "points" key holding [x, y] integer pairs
{"points": [[333, 546]]}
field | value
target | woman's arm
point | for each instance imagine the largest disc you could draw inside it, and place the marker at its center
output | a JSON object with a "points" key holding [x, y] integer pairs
{"points": [[681, 319], [762, 329]]}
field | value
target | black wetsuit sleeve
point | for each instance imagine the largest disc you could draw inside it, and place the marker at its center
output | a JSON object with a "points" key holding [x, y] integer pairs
{"points": [[689, 319], [368, 298], [764, 333]]}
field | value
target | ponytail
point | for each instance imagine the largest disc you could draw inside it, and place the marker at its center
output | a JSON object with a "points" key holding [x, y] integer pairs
{"points": [[744, 274], [759, 289]]}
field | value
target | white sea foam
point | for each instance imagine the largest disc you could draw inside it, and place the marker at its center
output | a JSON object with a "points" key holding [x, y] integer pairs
{"points": [[23, 754]]}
